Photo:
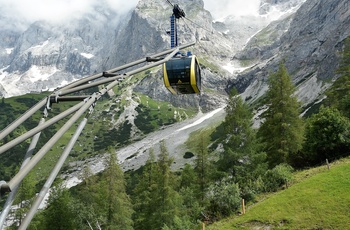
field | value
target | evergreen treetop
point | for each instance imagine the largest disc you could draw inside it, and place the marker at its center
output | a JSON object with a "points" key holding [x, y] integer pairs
{"points": [[282, 129]]}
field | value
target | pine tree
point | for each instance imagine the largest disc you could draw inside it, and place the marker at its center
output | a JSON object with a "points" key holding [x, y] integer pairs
{"points": [[188, 177], [238, 123], [203, 165], [86, 205], [156, 202], [282, 129], [117, 204], [59, 214], [192, 204], [239, 135], [170, 201], [241, 161], [144, 205], [88, 186]]}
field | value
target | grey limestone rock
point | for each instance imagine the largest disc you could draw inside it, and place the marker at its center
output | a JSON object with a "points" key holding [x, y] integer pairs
{"points": [[308, 41]]}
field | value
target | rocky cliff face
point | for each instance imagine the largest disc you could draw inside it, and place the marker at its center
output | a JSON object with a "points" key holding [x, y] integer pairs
{"points": [[268, 6], [308, 41], [216, 41], [48, 55], [155, 17]]}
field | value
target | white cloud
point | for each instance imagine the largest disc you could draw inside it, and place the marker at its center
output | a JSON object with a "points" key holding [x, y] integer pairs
{"points": [[28, 11], [222, 8], [57, 10]]}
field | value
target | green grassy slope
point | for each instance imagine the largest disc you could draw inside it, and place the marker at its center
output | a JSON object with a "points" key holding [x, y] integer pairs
{"points": [[318, 199]]}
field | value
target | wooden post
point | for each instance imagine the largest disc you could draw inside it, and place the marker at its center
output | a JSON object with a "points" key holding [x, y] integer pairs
{"points": [[328, 166], [203, 226], [243, 207]]}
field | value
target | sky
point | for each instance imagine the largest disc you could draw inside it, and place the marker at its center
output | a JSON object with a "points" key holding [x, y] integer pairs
{"points": [[56, 10]]}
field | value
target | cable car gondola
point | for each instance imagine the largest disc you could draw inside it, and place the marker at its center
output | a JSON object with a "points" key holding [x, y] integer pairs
{"points": [[182, 75]]}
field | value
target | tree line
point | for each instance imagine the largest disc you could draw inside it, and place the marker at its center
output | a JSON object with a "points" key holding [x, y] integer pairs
{"points": [[246, 162]]}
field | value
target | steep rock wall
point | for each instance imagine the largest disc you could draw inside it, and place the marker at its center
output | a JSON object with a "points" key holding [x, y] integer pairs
{"points": [[309, 42]]}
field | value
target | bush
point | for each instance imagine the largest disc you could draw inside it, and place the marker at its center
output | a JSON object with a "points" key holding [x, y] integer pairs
{"points": [[224, 198], [181, 223], [327, 136], [251, 188], [277, 177]]}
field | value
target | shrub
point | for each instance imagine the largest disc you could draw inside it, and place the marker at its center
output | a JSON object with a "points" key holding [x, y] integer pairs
{"points": [[327, 136], [277, 177], [224, 198]]}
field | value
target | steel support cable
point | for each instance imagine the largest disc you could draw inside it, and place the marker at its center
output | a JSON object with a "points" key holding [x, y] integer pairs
{"points": [[32, 132], [52, 176], [39, 128], [90, 85], [96, 76], [22, 118], [6, 131], [117, 78], [41, 153], [122, 76], [7, 206], [167, 58]]}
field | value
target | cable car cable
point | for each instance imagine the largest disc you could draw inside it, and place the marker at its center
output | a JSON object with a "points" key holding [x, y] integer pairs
{"points": [[212, 32], [199, 25], [176, 7], [170, 3], [197, 40]]}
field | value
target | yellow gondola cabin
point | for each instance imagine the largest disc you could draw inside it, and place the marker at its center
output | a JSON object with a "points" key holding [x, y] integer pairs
{"points": [[182, 75]]}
